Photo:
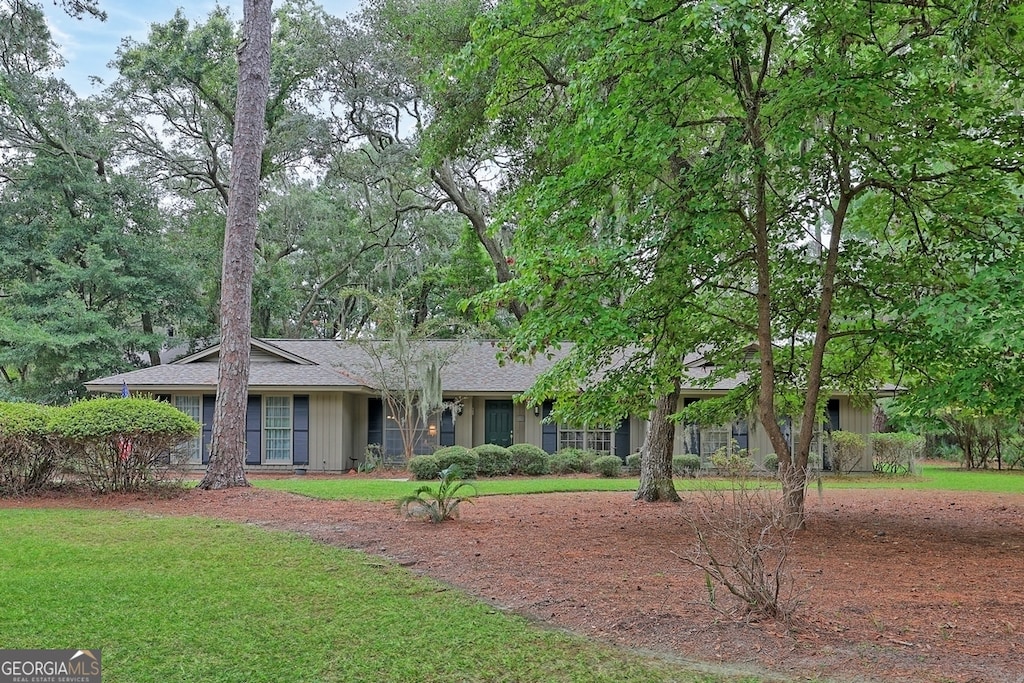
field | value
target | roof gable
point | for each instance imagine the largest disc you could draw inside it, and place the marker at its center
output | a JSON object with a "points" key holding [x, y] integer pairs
{"points": [[260, 352]]}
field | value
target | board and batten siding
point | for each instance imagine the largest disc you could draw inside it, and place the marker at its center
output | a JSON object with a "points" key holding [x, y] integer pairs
{"points": [[859, 419], [327, 433]]}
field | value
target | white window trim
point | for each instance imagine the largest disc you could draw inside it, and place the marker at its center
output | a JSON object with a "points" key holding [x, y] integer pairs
{"points": [[264, 429], [194, 446], [588, 437]]}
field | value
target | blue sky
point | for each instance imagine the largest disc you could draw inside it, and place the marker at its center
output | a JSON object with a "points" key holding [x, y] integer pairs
{"points": [[88, 45]]}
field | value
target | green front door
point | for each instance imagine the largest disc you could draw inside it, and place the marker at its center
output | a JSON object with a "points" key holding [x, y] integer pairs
{"points": [[498, 422]]}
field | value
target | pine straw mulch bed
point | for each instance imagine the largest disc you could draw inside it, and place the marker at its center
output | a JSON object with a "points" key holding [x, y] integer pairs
{"points": [[894, 585]]}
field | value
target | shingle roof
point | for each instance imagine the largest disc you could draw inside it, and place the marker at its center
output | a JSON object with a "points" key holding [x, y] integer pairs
{"points": [[474, 368], [198, 376]]}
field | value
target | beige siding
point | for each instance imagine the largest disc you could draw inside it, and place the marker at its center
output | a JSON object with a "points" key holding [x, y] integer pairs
{"points": [[464, 424], [327, 419], [519, 422], [533, 427], [357, 417], [856, 418]]}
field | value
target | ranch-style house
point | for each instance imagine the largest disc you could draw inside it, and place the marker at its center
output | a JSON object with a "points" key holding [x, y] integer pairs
{"points": [[314, 405]]}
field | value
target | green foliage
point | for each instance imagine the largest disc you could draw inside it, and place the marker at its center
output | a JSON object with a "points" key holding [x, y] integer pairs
{"points": [[101, 418], [28, 457], [771, 462], [633, 463], [607, 466], [87, 271], [947, 451], [122, 444], [424, 467], [982, 436], [441, 504], [457, 456], [563, 464], [785, 198], [492, 460], [846, 450], [572, 460], [735, 464], [685, 465], [896, 452], [584, 455], [529, 459], [373, 459]]}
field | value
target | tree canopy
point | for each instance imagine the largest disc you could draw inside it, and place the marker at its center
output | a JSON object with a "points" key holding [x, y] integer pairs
{"points": [[721, 178]]}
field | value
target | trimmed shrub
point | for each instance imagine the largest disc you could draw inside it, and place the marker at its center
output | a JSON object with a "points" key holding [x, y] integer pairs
{"points": [[460, 456], [29, 458], [123, 444], [633, 463], [560, 463], [896, 452], [771, 462], [607, 466], [686, 465], [492, 460], [584, 456], [846, 450], [529, 459], [424, 467]]}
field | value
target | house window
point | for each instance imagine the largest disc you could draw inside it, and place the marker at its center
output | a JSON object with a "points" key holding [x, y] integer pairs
{"points": [[714, 438], [705, 440], [424, 435], [277, 429], [599, 440], [190, 452]]}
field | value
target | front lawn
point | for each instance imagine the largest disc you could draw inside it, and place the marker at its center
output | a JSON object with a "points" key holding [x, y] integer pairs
{"points": [[188, 599], [933, 477]]}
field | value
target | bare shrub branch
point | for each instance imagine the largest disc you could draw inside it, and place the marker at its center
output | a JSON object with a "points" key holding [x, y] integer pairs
{"points": [[743, 546]]}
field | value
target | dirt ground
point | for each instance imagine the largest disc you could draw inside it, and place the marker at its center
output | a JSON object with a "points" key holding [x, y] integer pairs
{"points": [[894, 585]]}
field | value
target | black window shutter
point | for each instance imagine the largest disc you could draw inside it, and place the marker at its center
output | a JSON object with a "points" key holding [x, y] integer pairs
{"points": [[549, 431], [447, 435], [740, 433], [622, 439], [375, 421], [300, 430], [253, 430], [833, 415]]}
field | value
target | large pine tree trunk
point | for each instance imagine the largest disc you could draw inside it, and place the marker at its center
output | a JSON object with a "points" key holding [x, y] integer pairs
{"points": [[227, 447], [656, 454]]}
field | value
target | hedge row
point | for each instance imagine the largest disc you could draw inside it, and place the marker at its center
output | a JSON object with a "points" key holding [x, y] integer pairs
{"points": [[109, 444], [519, 459]]}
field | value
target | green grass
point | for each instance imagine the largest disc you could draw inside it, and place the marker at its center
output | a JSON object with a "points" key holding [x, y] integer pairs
{"points": [[939, 478], [187, 599], [353, 488], [945, 478]]}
